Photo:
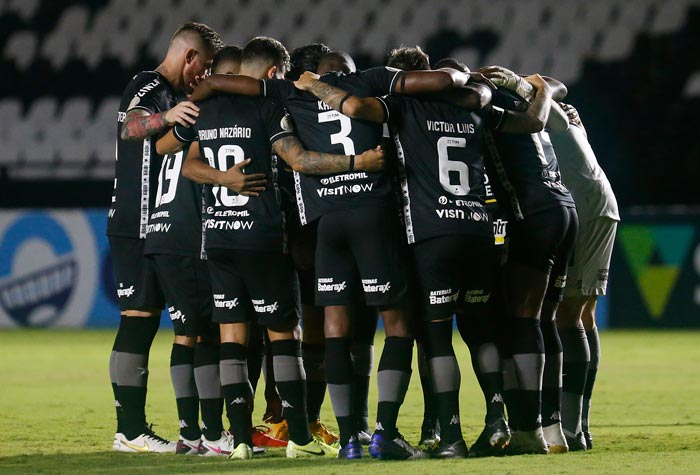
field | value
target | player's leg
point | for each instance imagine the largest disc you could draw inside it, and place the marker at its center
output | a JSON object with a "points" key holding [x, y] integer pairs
{"points": [[441, 267], [479, 330], [553, 370], [140, 301], [364, 327], [232, 311], [375, 239], [532, 249], [336, 284], [180, 278], [588, 317]]}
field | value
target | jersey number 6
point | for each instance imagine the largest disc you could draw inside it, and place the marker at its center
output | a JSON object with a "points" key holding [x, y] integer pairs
{"points": [[446, 166]]}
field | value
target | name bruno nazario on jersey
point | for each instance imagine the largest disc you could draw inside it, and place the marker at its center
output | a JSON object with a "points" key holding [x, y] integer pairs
{"points": [[234, 132]]}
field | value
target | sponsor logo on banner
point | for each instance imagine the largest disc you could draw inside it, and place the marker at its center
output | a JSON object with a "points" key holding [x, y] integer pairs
{"points": [[655, 254], [48, 269]]}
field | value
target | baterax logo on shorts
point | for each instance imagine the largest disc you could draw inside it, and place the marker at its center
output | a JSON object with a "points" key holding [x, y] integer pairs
{"points": [[176, 314], [221, 302], [261, 307], [125, 291], [371, 285], [48, 268], [325, 284], [438, 297], [476, 296]]}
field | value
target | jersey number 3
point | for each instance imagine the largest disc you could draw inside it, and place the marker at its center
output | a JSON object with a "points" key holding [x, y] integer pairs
{"points": [[341, 137]]}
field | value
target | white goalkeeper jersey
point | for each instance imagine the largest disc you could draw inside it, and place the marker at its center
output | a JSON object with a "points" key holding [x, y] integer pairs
{"points": [[583, 176]]}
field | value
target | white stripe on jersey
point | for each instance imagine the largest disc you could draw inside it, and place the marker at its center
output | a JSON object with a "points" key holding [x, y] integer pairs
{"points": [[145, 187], [406, 197], [503, 176], [300, 199], [202, 251]]}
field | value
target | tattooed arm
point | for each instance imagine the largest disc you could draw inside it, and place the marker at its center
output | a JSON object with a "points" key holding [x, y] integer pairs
{"points": [[140, 124], [364, 108], [315, 163]]}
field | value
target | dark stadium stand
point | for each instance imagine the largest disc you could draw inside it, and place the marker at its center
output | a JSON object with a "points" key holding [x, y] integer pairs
{"points": [[631, 66]]}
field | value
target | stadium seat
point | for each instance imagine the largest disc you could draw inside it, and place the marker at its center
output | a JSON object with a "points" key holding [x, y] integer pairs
{"points": [[616, 44], [692, 86], [21, 48], [26, 9], [63, 41], [669, 17], [11, 112]]}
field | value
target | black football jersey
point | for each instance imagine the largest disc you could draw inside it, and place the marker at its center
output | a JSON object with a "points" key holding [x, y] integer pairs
{"points": [[440, 149], [323, 129], [137, 163], [230, 129], [524, 168], [175, 224]]}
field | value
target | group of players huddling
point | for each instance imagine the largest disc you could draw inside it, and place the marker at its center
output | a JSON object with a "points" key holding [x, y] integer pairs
{"points": [[266, 193]]}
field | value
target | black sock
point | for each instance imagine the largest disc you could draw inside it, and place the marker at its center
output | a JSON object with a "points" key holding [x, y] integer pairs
{"points": [[132, 345], [426, 386], [237, 391], [291, 385], [208, 381], [115, 390], [315, 369], [362, 352], [479, 333], [256, 354], [576, 358], [594, 345], [528, 360], [446, 379], [182, 376], [552, 376], [393, 377], [339, 378]]}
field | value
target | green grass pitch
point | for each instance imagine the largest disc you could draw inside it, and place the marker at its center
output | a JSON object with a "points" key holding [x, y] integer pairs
{"points": [[57, 415]]}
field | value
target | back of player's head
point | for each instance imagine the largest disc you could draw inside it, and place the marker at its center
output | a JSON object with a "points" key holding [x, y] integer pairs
{"points": [[201, 35], [306, 58], [227, 56], [265, 51], [452, 63], [408, 59], [337, 61]]}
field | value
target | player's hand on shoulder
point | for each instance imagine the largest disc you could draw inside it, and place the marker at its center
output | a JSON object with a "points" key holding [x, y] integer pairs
{"points": [[184, 113], [305, 80], [538, 82], [371, 160], [572, 114], [481, 79], [236, 180], [500, 76], [197, 81]]}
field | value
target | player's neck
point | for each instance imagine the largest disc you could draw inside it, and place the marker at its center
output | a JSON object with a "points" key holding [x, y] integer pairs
{"points": [[170, 75], [254, 72]]}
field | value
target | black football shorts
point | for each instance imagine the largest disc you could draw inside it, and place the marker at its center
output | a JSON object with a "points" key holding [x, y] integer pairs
{"points": [[364, 242], [545, 240], [453, 273], [185, 283], [137, 284], [250, 285]]}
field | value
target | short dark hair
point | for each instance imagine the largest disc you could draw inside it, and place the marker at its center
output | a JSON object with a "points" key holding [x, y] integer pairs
{"points": [[408, 59], [208, 35], [338, 61], [227, 53], [452, 63], [306, 58], [264, 48]]}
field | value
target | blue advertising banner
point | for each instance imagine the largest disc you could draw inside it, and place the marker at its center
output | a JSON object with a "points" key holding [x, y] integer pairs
{"points": [[55, 269]]}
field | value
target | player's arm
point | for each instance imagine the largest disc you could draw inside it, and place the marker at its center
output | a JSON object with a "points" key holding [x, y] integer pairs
{"points": [[227, 84], [473, 96], [558, 121], [316, 163], [140, 123], [234, 178], [168, 143], [535, 118], [364, 108]]}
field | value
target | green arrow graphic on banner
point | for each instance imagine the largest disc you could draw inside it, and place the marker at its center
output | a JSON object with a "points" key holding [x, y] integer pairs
{"points": [[656, 254]]}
